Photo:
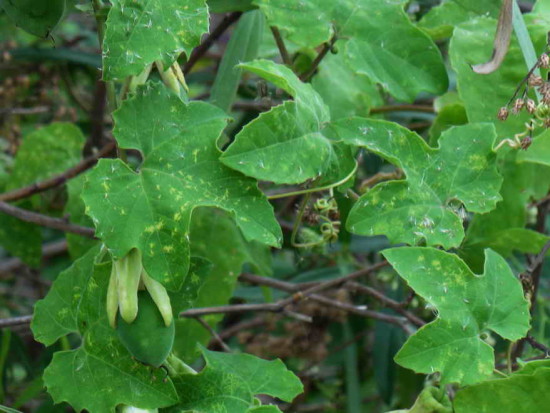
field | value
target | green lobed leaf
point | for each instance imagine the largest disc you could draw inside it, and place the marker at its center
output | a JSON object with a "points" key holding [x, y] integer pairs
{"points": [[404, 68], [101, 365], [180, 171], [468, 305], [141, 32], [525, 390], [421, 207], [229, 382], [37, 17], [286, 144], [503, 229]]}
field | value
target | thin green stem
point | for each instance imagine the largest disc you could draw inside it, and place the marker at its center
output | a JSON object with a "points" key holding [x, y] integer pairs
{"points": [[316, 189]]}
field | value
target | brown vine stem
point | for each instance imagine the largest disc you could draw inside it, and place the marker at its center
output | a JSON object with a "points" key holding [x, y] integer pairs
{"points": [[15, 321], [304, 77], [213, 333], [281, 46], [354, 286], [57, 180], [216, 33], [45, 221]]}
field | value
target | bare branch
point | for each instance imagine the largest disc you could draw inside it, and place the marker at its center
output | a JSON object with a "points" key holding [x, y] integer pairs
{"points": [[59, 179], [45, 221], [200, 50]]}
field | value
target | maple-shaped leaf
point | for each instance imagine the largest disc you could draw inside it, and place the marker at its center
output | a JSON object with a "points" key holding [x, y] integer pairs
{"points": [[141, 32], [523, 391], [424, 206], [229, 382], [100, 374], [151, 209], [404, 60], [469, 307], [287, 145]]}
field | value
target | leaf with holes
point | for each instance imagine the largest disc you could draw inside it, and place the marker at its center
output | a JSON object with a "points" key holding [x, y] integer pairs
{"points": [[139, 33], [288, 145], [180, 171], [229, 382], [469, 307], [425, 205], [404, 60]]}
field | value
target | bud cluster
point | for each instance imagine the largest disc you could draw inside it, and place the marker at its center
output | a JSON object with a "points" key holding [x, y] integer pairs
{"points": [[540, 112]]}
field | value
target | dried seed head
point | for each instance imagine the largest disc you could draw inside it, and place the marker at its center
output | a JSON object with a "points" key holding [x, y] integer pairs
{"points": [[546, 98], [526, 142], [503, 113], [544, 61], [518, 105], [546, 123], [530, 105], [535, 80]]}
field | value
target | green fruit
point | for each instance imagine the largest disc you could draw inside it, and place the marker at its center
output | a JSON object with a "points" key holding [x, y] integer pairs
{"points": [[147, 338]]}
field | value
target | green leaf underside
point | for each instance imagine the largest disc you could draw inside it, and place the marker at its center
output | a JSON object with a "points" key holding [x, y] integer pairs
{"points": [[462, 168], [140, 33], [468, 306], [229, 382], [525, 390], [76, 303], [37, 17], [285, 144], [180, 171], [403, 68]]}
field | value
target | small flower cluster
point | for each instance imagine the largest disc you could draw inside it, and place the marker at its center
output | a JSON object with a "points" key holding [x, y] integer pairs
{"points": [[540, 112]]}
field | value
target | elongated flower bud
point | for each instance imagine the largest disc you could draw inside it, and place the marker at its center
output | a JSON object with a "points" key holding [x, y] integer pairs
{"points": [[160, 297], [128, 274], [112, 297]]}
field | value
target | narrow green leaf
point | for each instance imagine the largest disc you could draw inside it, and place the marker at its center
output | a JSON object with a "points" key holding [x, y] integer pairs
{"points": [[469, 306], [141, 32], [242, 47], [421, 207]]}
